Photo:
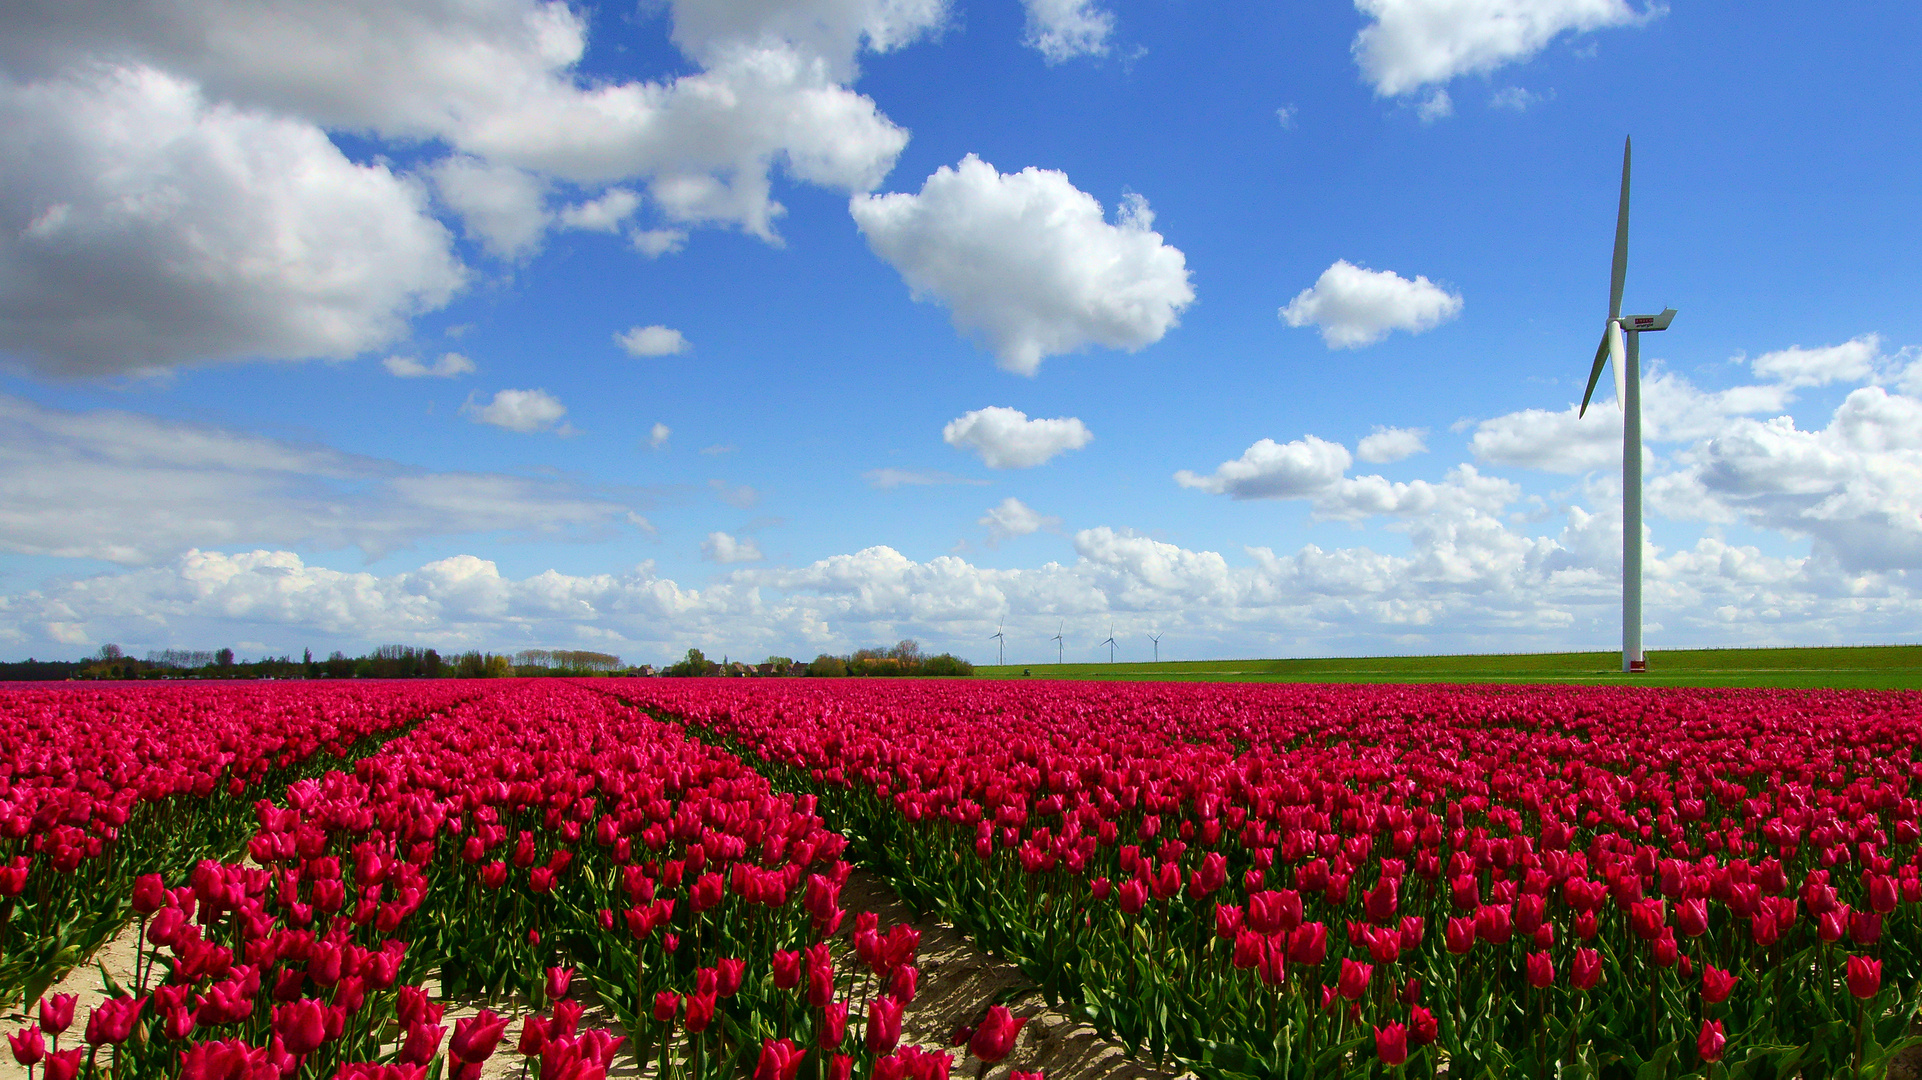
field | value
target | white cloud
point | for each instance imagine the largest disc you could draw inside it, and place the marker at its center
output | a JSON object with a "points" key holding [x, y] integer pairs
{"points": [[1390, 444], [450, 365], [604, 214], [657, 435], [1854, 487], [1410, 44], [142, 226], [718, 449], [1464, 489], [1436, 106], [1286, 117], [1061, 30], [833, 31], [893, 478], [1271, 470], [721, 548], [654, 340], [1355, 306], [1517, 99], [739, 496], [1027, 262], [1795, 366], [497, 82], [1014, 518], [502, 207], [1005, 438], [518, 410], [655, 243], [128, 488]]}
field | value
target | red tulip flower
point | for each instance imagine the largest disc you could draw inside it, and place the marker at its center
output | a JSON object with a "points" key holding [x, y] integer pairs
{"points": [[700, 1012], [302, 1025], [56, 1013], [1353, 982], [1711, 1042], [558, 980], [1541, 970], [1716, 984], [994, 1036], [1864, 976], [884, 1024], [112, 1020], [28, 1046], [780, 1060], [1587, 970], [834, 1025], [1391, 1044], [1423, 1028], [666, 1004], [730, 971], [787, 969], [475, 1037]]}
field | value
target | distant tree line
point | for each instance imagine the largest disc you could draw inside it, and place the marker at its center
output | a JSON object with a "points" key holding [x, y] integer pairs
{"points": [[904, 658], [385, 662]]}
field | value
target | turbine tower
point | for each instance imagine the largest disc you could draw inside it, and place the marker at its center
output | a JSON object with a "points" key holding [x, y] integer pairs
{"points": [[1058, 645], [1156, 638], [1621, 350], [1110, 643], [1001, 648]]}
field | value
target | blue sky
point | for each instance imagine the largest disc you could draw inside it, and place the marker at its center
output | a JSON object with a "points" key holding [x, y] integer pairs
{"points": [[791, 326]]}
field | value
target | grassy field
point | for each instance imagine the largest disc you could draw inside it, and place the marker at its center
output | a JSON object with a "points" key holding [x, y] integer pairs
{"points": [[1875, 666]]}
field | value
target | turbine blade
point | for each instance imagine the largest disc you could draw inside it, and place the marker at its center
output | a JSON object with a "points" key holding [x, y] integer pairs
{"points": [[1616, 356], [1620, 271], [1595, 373]]}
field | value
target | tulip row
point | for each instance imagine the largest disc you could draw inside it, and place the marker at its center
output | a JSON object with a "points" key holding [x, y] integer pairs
{"points": [[1286, 881], [511, 840], [98, 787]]}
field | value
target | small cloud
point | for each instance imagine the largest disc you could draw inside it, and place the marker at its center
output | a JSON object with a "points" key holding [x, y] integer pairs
{"points": [[651, 341], [657, 435], [655, 243], [1006, 439], [721, 548], [604, 214], [1436, 106], [1389, 444], [1518, 99], [449, 366], [1286, 116], [1272, 470], [1014, 518], [524, 411], [1355, 306], [1061, 30], [458, 330], [718, 449], [893, 478], [741, 497], [642, 524]]}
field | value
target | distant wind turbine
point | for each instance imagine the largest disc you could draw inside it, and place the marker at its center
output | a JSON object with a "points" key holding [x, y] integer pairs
{"points": [[1110, 643], [1621, 349], [1001, 649], [1058, 646], [1156, 638]]}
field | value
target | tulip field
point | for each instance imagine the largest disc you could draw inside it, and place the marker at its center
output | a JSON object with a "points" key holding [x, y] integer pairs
{"points": [[1245, 881]]}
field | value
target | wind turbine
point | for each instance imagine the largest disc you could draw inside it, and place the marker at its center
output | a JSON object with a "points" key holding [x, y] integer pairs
{"points": [[1110, 643], [1621, 350], [1156, 638], [1058, 646], [1001, 649]]}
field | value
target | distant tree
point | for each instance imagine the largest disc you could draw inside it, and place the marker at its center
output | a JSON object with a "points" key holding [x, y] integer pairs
{"points": [[338, 666], [110, 652], [827, 667], [907, 653], [780, 665], [946, 664], [224, 658]]}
